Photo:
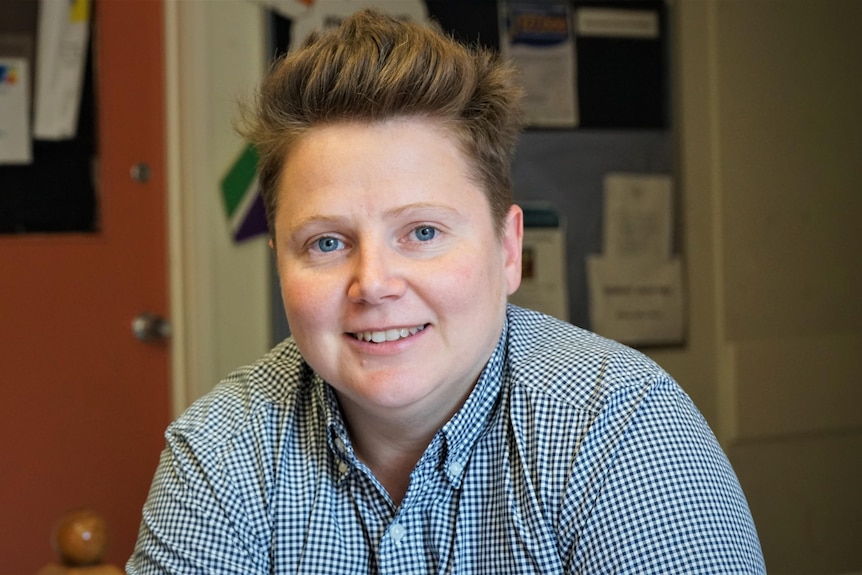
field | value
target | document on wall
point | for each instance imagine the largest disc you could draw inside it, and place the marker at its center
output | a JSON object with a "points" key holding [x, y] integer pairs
{"points": [[15, 144], [63, 36], [636, 302], [544, 277], [617, 23], [638, 216], [636, 285], [539, 40], [310, 15]]}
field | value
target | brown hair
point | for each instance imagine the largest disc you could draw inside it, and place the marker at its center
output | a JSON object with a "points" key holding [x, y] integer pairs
{"points": [[374, 67]]}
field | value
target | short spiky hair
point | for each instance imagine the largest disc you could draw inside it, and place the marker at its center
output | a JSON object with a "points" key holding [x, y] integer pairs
{"points": [[374, 67]]}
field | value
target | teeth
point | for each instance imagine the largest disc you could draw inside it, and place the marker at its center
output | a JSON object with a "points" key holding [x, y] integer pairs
{"points": [[388, 335]]}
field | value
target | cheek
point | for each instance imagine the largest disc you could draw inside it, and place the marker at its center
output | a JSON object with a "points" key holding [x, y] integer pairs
{"points": [[306, 300], [467, 285]]}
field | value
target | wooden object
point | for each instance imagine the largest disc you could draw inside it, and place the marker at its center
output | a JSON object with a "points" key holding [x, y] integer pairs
{"points": [[80, 539]]}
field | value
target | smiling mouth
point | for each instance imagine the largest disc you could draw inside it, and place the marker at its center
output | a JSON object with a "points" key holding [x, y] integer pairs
{"points": [[387, 335]]}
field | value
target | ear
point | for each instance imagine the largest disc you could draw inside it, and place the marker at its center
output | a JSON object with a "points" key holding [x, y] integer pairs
{"points": [[513, 240]]}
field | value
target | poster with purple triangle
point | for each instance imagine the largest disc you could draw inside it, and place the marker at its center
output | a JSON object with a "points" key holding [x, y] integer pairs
{"points": [[241, 196]]}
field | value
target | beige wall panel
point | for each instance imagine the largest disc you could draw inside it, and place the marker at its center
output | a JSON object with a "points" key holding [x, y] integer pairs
{"points": [[799, 386], [790, 109], [694, 364], [767, 107], [220, 289], [805, 499]]}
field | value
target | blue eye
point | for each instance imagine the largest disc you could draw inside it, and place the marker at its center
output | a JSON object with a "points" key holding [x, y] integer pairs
{"points": [[328, 244], [425, 233]]}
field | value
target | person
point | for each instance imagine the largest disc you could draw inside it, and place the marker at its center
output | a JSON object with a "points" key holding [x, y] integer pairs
{"points": [[415, 421]]}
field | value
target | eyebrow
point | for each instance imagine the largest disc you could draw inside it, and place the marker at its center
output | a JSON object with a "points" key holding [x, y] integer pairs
{"points": [[391, 213], [420, 206]]}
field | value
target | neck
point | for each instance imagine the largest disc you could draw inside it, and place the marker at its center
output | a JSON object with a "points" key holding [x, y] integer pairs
{"points": [[390, 447]]}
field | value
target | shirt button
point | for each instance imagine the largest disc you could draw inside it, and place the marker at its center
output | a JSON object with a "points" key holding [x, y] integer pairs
{"points": [[339, 445], [455, 468], [397, 532], [342, 467]]}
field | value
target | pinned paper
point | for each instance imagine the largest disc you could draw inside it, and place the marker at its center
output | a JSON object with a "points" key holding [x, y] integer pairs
{"points": [[15, 145], [638, 302], [617, 23], [544, 279], [538, 38], [308, 15], [63, 38], [636, 285], [638, 216]]}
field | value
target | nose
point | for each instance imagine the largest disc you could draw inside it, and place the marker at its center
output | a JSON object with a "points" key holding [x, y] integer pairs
{"points": [[376, 276]]}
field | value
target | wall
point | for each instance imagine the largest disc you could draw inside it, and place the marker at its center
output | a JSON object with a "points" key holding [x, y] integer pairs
{"points": [[220, 289], [770, 136]]}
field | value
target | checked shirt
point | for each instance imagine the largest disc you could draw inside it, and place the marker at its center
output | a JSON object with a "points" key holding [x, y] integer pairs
{"points": [[573, 454]]}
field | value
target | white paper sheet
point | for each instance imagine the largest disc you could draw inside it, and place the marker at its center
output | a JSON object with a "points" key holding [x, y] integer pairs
{"points": [[617, 23], [64, 28], [322, 14], [538, 39], [15, 144], [637, 302], [638, 216]]}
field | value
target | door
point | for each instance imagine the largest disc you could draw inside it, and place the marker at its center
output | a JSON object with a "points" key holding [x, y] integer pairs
{"points": [[83, 403]]}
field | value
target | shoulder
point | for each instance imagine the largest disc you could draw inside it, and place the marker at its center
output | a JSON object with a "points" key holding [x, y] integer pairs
{"points": [[609, 429], [571, 365], [270, 383]]}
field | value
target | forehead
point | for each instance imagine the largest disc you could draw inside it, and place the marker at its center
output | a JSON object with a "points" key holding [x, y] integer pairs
{"points": [[335, 142], [403, 159]]}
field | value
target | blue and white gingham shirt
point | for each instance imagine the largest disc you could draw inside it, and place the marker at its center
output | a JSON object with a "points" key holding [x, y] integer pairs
{"points": [[573, 454]]}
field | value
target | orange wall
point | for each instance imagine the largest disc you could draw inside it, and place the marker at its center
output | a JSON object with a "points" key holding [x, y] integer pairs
{"points": [[83, 404]]}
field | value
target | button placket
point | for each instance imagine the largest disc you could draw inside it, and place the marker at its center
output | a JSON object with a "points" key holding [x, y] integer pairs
{"points": [[339, 445], [341, 448]]}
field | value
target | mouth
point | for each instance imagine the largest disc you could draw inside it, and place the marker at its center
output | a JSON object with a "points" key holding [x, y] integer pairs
{"points": [[393, 334]]}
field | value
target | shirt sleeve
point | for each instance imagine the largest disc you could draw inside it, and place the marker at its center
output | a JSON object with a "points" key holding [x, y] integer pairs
{"points": [[193, 521], [666, 499]]}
